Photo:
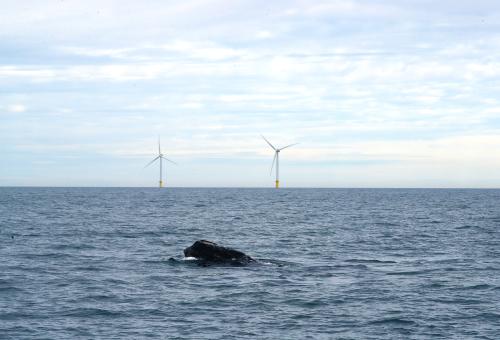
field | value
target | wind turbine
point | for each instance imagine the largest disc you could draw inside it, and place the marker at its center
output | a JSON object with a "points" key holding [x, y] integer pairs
{"points": [[161, 158], [277, 160]]}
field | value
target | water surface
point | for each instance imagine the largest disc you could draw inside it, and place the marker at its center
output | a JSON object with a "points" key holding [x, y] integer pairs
{"points": [[81, 263]]}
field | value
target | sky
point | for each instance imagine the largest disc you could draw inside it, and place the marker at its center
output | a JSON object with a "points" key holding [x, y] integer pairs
{"points": [[389, 93]]}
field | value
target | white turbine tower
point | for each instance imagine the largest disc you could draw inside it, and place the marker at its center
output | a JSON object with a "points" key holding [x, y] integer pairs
{"points": [[161, 158], [277, 160]]}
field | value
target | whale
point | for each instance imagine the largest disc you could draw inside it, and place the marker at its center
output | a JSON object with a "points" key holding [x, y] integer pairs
{"points": [[208, 252]]}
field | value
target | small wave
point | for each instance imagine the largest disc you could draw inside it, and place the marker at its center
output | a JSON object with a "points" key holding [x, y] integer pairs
{"points": [[412, 272], [480, 286], [369, 261], [150, 233], [158, 278], [397, 321], [490, 316], [128, 235], [93, 312], [14, 316], [352, 266], [115, 281], [153, 261], [28, 235], [457, 301], [43, 255], [88, 269], [302, 316], [174, 262], [328, 269], [278, 263], [10, 289], [101, 297], [387, 224], [463, 227], [306, 303], [452, 260], [73, 247], [425, 235]]}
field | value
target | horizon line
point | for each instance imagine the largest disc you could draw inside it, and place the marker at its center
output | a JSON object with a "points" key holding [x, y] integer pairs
{"points": [[237, 187]]}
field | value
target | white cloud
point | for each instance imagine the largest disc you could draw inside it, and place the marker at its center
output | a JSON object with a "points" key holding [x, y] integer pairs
{"points": [[16, 108], [191, 105], [349, 8], [118, 53], [176, 49], [264, 35], [463, 150], [208, 60]]}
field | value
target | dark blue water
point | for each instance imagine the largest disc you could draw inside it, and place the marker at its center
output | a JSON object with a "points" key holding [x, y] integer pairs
{"points": [[82, 263]]}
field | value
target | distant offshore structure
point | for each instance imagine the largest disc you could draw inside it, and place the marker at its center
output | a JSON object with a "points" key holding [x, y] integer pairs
{"points": [[277, 160], [161, 158]]}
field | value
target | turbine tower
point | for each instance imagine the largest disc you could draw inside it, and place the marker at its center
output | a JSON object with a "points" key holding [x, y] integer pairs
{"points": [[161, 158], [277, 160]]}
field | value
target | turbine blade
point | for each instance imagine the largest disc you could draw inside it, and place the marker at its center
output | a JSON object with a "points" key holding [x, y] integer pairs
{"points": [[268, 142], [288, 146], [272, 166], [168, 160], [159, 148], [152, 162]]}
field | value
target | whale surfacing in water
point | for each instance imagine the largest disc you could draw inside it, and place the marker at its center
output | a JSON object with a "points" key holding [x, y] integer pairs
{"points": [[210, 252]]}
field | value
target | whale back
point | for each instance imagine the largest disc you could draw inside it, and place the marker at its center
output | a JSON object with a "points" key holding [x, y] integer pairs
{"points": [[211, 251]]}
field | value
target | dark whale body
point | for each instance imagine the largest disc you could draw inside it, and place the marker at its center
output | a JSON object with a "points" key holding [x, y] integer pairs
{"points": [[209, 252]]}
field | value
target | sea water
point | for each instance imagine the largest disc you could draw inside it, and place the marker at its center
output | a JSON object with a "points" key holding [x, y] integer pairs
{"points": [[106, 263]]}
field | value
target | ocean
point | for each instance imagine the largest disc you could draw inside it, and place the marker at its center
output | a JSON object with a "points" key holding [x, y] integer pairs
{"points": [[107, 263]]}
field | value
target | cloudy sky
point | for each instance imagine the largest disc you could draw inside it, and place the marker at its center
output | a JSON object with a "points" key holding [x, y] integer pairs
{"points": [[394, 93]]}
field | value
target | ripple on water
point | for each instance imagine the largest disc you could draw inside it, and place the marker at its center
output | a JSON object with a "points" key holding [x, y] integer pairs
{"points": [[9, 289], [73, 246], [480, 286], [93, 313], [412, 272], [392, 321], [369, 261], [306, 303]]}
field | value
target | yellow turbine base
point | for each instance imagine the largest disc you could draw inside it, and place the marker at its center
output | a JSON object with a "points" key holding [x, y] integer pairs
{"points": [[161, 184], [277, 184]]}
